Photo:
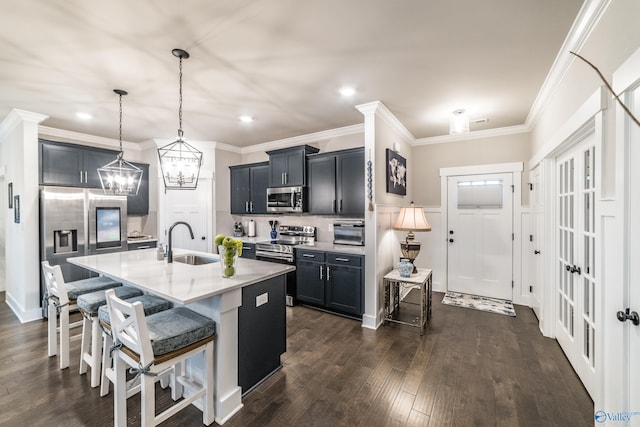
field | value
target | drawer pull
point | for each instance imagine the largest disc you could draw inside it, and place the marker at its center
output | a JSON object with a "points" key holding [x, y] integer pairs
{"points": [[246, 248], [144, 247], [343, 259], [308, 256]]}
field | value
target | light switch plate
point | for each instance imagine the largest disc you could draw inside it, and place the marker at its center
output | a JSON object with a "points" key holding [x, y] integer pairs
{"points": [[262, 299]]}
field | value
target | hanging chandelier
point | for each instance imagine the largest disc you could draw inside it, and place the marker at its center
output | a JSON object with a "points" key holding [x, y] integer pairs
{"points": [[180, 162], [120, 177]]}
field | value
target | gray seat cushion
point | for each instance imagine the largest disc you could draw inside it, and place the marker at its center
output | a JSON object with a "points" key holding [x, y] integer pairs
{"points": [[85, 286], [176, 328], [93, 301], [150, 303]]}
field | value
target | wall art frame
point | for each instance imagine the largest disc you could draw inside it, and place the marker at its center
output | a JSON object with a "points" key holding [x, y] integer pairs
{"points": [[396, 173]]}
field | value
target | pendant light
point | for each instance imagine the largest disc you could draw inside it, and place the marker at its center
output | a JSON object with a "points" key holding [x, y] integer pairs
{"points": [[180, 162], [120, 177]]}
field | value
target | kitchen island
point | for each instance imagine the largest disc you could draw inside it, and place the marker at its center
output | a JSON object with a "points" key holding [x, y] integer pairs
{"points": [[203, 289]]}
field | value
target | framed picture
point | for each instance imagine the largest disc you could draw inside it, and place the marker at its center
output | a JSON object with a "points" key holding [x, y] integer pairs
{"points": [[10, 195], [16, 209], [396, 173]]}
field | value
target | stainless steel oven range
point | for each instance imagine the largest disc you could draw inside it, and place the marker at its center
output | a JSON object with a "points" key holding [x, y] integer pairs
{"points": [[281, 251]]}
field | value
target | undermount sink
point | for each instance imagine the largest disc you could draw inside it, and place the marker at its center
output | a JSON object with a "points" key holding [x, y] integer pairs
{"points": [[193, 259]]}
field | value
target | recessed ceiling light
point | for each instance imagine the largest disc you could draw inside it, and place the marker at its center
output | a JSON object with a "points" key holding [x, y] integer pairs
{"points": [[84, 116], [246, 119], [347, 91]]}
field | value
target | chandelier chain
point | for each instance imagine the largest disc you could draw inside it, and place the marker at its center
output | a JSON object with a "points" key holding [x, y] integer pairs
{"points": [[120, 95], [180, 107]]}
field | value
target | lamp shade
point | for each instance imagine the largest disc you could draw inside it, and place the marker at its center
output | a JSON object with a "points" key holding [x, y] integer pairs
{"points": [[412, 219]]}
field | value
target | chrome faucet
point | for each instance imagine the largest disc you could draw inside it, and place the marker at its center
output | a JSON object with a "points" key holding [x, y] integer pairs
{"points": [[169, 250]]}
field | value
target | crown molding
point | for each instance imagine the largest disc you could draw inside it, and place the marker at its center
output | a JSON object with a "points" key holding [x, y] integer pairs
{"points": [[15, 117], [227, 147], [67, 135], [588, 17], [303, 139], [380, 110], [486, 133]]}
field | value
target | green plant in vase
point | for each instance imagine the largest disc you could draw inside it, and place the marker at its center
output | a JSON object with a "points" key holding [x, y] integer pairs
{"points": [[229, 250]]}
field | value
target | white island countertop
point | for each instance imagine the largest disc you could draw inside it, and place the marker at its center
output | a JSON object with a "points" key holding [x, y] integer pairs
{"points": [[179, 282]]}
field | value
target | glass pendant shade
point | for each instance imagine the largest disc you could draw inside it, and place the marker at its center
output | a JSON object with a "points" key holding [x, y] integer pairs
{"points": [[120, 178], [459, 122], [180, 162]]}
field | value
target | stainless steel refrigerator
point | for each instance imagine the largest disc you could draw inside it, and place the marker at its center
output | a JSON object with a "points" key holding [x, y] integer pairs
{"points": [[76, 222]]}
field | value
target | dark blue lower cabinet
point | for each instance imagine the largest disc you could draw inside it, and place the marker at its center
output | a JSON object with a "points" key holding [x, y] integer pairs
{"points": [[262, 331], [331, 281]]}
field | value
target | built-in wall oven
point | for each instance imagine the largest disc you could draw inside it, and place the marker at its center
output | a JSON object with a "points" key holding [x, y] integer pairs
{"points": [[282, 251]]}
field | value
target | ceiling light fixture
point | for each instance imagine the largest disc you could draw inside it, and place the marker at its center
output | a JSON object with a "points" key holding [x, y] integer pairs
{"points": [[83, 116], [459, 122], [347, 91], [246, 119], [180, 162], [120, 177]]}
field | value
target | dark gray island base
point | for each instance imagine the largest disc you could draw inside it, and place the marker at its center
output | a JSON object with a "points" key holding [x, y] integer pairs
{"points": [[262, 331]]}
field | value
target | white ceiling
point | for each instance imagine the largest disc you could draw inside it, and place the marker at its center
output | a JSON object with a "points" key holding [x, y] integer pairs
{"points": [[281, 61]]}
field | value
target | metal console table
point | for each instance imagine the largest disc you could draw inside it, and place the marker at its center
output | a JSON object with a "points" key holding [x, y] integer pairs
{"points": [[392, 285]]}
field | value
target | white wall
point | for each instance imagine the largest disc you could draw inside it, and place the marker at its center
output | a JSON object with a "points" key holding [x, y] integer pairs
{"points": [[19, 136]]}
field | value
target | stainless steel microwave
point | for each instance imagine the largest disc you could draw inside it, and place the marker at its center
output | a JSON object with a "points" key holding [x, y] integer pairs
{"points": [[286, 199]]}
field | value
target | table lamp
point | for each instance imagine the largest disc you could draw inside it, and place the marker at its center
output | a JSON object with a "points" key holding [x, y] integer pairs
{"points": [[411, 219]]}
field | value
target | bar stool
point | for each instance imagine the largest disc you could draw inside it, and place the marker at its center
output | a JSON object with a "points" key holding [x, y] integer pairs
{"points": [[150, 304], [150, 345], [91, 347], [61, 300]]}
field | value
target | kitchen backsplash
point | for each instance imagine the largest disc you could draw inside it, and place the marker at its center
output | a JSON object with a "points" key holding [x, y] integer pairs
{"points": [[324, 224]]}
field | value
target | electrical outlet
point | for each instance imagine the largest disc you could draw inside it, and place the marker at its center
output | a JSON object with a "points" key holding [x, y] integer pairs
{"points": [[262, 299]]}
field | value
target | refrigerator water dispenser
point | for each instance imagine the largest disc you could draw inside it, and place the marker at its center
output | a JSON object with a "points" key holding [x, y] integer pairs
{"points": [[65, 241]]}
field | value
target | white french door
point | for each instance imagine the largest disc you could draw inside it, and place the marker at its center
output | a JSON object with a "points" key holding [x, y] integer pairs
{"points": [[576, 328], [480, 233]]}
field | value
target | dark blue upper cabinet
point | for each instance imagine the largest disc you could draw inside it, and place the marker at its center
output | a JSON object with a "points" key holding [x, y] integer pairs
{"points": [[288, 166]]}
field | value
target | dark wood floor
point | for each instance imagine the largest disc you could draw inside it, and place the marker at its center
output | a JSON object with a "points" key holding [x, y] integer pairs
{"points": [[470, 369]]}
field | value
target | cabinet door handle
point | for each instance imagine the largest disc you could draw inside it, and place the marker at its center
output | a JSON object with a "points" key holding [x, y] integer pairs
{"points": [[321, 272], [340, 206], [250, 206], [333, 207], [85, 177], [282, 178], [286, 178], [246, 206], [328, 273], [80, 176], [343, 259]]}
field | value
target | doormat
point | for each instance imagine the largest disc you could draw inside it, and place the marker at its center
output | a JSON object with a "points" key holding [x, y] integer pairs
{"points": [[492, 305]]}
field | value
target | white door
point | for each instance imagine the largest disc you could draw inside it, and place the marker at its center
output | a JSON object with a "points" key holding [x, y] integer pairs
{"points": [[535, 241], [480, 235], [576, 328], [190, 206]]}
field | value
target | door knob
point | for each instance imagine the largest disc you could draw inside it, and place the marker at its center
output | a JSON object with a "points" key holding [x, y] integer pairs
{"points": [[623, 316], [203, 238], [450, 240], [536, 252]]}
